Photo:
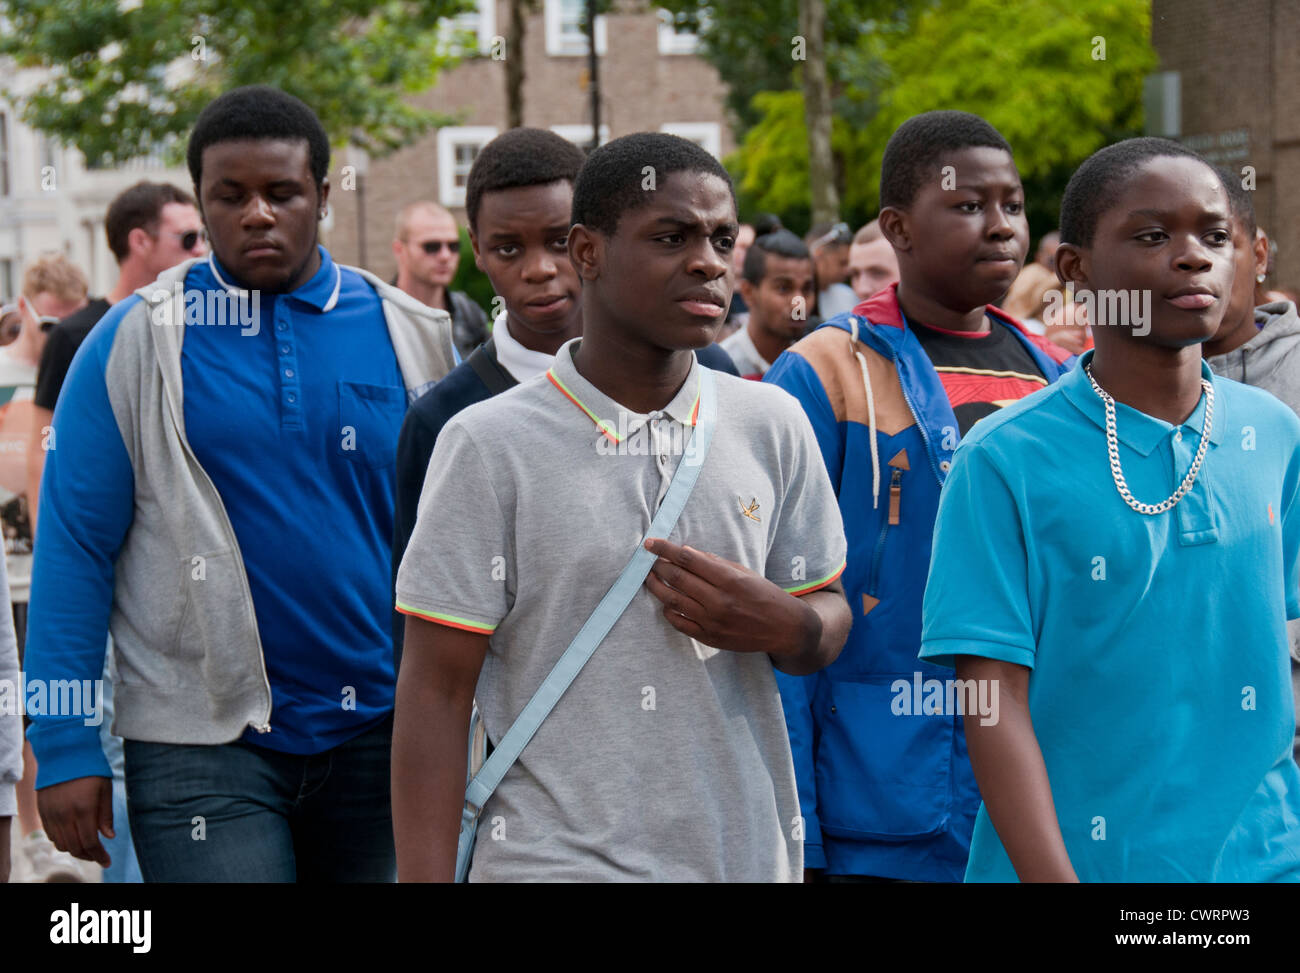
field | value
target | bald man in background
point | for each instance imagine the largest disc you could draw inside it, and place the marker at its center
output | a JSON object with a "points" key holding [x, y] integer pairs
{"points": [[427, 248]]}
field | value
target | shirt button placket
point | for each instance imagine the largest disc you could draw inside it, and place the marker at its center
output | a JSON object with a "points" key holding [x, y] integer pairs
{"points": [[291, 407]]}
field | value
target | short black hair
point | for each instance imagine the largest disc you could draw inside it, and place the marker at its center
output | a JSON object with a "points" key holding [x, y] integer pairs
{"points": [[1096, 183], [916, 150], [520, 157], [611, 181], [782, 243], [258, 111], [766, 223], [1239, 200], [139, 207]]}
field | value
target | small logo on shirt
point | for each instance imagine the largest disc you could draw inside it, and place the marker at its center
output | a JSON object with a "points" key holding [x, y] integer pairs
{"points": [[750, 510], [1270, 513]]}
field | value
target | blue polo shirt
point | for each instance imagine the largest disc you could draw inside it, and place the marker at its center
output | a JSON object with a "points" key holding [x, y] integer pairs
{"points": [[1160, 688], [296, 422]]}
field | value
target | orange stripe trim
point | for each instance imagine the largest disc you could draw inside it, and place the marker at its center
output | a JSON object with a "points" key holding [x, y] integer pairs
{"points": [[451, 621], [817, 585]]}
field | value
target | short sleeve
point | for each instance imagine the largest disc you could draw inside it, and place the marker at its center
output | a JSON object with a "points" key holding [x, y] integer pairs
{"points": [[458, 566], [1291, 533], [976, 598], [808, 546], [56, 358]]}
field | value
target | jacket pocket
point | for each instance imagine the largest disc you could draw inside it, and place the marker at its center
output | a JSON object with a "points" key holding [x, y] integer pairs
{"points": [[880, 775], [370, 418]]}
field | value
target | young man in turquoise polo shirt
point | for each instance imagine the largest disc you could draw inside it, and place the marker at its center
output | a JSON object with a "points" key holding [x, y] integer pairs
{"points": [[1115, 560]]}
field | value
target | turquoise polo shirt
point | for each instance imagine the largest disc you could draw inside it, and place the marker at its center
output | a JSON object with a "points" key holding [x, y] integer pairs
{"points": [[1160, 689]]}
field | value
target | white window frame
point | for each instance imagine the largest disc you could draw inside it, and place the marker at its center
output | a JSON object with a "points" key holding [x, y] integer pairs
{"points": [[449, 194], [673, 41], [482, 22], [580, 134], [556, 44], [706, 134]]}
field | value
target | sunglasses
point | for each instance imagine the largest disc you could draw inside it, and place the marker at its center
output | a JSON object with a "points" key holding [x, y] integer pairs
{"points": [[191, 239], [43, 321], [432, 247]]}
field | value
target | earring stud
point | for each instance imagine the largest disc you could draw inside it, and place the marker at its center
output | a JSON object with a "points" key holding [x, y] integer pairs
{"points": [[1259, 278]]}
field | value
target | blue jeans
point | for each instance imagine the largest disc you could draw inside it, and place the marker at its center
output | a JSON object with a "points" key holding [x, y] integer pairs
{"points": [[125, 869], [242, 813]]}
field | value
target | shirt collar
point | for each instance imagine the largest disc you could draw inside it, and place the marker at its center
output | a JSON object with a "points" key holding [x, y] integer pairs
{"points": [[321, 292], [1137, 430], [604, 411], [522, 363]]}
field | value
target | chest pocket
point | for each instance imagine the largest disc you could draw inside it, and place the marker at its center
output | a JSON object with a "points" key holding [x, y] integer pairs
{"points": [[370, 418]]}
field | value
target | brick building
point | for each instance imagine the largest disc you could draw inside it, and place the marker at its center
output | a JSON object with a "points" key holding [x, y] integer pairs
{"points": [[650, 77], [1230, 89]]}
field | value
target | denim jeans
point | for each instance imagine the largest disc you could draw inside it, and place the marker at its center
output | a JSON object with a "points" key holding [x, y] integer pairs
{"points": [[242, 813], [125, 869]]}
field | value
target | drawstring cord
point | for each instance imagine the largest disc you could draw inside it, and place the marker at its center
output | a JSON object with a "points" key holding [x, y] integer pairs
{"points": [[871, 415]]}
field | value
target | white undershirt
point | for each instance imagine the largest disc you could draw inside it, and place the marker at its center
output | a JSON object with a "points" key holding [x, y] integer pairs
{"points": [[522, 363]]}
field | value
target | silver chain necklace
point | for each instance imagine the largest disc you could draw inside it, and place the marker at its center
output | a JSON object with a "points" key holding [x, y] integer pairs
{"points": [[1112, 448]]}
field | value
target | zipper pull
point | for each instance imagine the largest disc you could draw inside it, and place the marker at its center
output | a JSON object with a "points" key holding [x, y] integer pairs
{"points": [[899, 463]]}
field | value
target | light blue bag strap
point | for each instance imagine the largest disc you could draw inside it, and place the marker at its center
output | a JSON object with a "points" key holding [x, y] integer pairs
{"points": [[584, 644]]}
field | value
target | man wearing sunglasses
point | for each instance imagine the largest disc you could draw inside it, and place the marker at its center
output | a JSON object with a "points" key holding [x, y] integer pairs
{"points": [[52, 288], [427, 248], [150, 226]]}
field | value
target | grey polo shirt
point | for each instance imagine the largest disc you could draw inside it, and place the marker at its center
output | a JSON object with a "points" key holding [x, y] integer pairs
{"points": [[666, 760]]}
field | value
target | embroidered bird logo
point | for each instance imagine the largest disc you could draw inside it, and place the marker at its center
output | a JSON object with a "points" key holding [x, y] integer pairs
{"points": [[750, 509]]}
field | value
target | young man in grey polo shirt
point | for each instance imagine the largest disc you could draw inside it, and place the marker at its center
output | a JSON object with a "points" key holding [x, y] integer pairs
{"points": [[667, 758]]}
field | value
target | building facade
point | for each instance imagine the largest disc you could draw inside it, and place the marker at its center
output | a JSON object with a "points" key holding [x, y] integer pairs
{"points": [[50, 202], [651, 80], [1230, 89]]}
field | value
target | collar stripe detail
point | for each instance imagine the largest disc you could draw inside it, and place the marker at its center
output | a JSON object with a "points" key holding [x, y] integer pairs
{"points": [[603, 426]]}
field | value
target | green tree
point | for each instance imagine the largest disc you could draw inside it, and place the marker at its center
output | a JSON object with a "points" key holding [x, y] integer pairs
{"points": [[1058, 82], [129, 76]]}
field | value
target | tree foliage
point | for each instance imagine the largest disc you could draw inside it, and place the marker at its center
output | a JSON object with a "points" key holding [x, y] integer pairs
{"points": [[126, 77], [1033, 68]]}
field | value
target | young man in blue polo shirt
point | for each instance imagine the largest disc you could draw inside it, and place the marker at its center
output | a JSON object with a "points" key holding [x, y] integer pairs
{"points": [[220, 494], [667, 758], [1115, 560]]}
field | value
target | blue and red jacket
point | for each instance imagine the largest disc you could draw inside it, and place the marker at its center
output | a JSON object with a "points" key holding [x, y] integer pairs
{"points": [[882, 792]]}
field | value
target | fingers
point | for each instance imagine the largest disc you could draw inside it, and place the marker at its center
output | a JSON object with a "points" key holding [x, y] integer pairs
{"points": [[691, 585], [674, 601], [71, 814]]}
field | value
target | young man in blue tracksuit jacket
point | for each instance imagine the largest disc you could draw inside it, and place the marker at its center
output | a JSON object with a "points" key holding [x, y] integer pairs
{"points": [[885, 784]]}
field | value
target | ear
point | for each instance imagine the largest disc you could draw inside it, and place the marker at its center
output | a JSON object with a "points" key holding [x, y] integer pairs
{"points": [[397, 251], [1261, 252], [747, 291], [324, 192], [586, 251], [894, 226], [473, 245], [1072, 265], [139, 241]]}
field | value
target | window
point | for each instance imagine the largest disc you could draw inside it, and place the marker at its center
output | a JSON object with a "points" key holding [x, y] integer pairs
{"points": [[457, 149], [707, 135], [672, 40], [7, 279], [580, 135], [564, 34], [481, 23]]}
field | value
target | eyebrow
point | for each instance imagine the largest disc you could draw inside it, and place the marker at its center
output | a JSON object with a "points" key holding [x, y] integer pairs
{"points": [[689, 223], [499, 235], [1159, 214]]}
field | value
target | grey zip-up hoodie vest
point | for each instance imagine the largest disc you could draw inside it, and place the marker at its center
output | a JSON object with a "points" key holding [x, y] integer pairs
{"points": [[1270, 361], [188, 653]]}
